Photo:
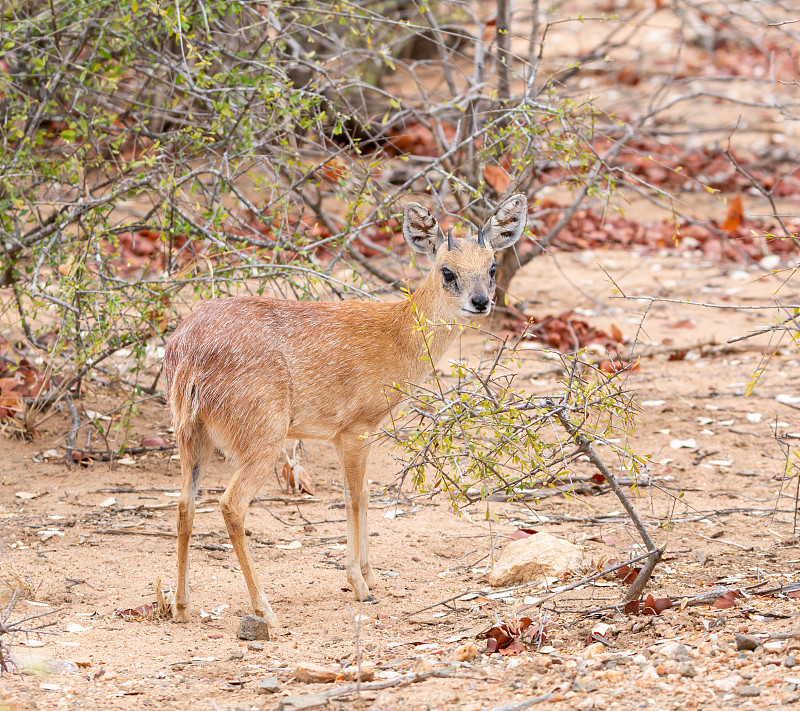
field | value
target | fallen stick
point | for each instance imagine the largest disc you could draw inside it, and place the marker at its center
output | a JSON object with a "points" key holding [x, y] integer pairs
{"points": [[133, 532], [526, 704], [310, 701], [655, 553]]}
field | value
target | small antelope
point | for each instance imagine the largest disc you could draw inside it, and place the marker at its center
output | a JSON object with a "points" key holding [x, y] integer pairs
{"points": [[243, 374]]}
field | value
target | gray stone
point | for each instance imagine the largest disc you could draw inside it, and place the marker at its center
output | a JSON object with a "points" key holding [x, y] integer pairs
{"points": [[687, 669], [255, 646], [236, 655], [270, 685], [790, 661], [253, 627], [674, 650], [746, 642], [748, 690], [300, 703]]}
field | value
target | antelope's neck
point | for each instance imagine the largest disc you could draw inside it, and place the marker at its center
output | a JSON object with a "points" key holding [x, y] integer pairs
{"points": [[430, 333]]}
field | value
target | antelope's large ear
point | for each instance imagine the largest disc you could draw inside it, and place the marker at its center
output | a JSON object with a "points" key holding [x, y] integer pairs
{"points": [[421, 229], [508, 222]]}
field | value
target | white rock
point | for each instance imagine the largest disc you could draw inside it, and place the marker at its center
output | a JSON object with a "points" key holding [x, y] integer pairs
{"points": [[683, 444], [787, 399], [603, 629], [754, 417], [673, 650], [533, 558], [728, 683]]}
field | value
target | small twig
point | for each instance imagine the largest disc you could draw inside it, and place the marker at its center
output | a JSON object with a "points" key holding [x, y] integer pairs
{"points": [[526, 704], [76, 423], [727, 543], [549, 596], [308, 701]]}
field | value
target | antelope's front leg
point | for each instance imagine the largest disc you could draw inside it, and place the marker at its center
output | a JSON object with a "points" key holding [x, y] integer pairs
{"points": [[353, 455]]}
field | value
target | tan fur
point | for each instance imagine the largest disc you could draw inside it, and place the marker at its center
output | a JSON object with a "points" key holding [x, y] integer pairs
{"points": [[243, 374]]}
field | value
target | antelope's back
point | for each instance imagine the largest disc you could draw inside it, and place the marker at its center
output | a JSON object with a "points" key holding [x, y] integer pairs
{"points": [[320, 365]]}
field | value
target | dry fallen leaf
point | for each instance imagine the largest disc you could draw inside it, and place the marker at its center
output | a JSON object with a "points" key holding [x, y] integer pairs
{"points": [[296, 479], [497, 178], [723, 602], [155, 441], [735, 214]]}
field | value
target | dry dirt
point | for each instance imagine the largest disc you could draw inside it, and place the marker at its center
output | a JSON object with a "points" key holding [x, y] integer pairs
{"points": [[726, 523], [733, 526]]}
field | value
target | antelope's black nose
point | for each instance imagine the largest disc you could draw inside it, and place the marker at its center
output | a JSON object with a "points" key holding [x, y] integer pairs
{"points": [[480, 302]]}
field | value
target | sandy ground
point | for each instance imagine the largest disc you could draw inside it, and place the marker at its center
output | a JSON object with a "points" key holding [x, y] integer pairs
{"points": [[90, 541], [734, 526]]}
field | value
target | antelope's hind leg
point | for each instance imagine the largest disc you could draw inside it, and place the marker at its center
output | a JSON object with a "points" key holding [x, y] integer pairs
{"points": [[196, 450], [246, 483]]}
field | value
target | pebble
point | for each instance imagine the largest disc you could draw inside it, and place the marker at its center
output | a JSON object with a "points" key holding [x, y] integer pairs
{"points": [[255, 646], [687, 669], [665, 667], [367, 672], [270, 685], [594, 650], [314, 673], [790, 661], [253, 627], [675, 650], [728, 683], [464, 653], [748, 690], [236, 655], [297, 703], [746, 642]]}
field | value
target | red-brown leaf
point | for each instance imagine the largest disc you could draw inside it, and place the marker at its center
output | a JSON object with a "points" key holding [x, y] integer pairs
{"points": [[497, 178], [512, 649], [519, 534], [735, 214], [723, 602], [154, 441], [683, 323], [632, 608], [649, 606], [661, 604], [500, 635]]}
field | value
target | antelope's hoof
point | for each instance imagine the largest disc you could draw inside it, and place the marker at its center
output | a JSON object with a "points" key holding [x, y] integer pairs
{"points": [[181, 615], [271, 619], [370, 578]]}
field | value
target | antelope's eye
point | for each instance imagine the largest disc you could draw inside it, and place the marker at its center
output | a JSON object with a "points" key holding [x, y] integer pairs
{"points": [[448, 276], [492, 270]]}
